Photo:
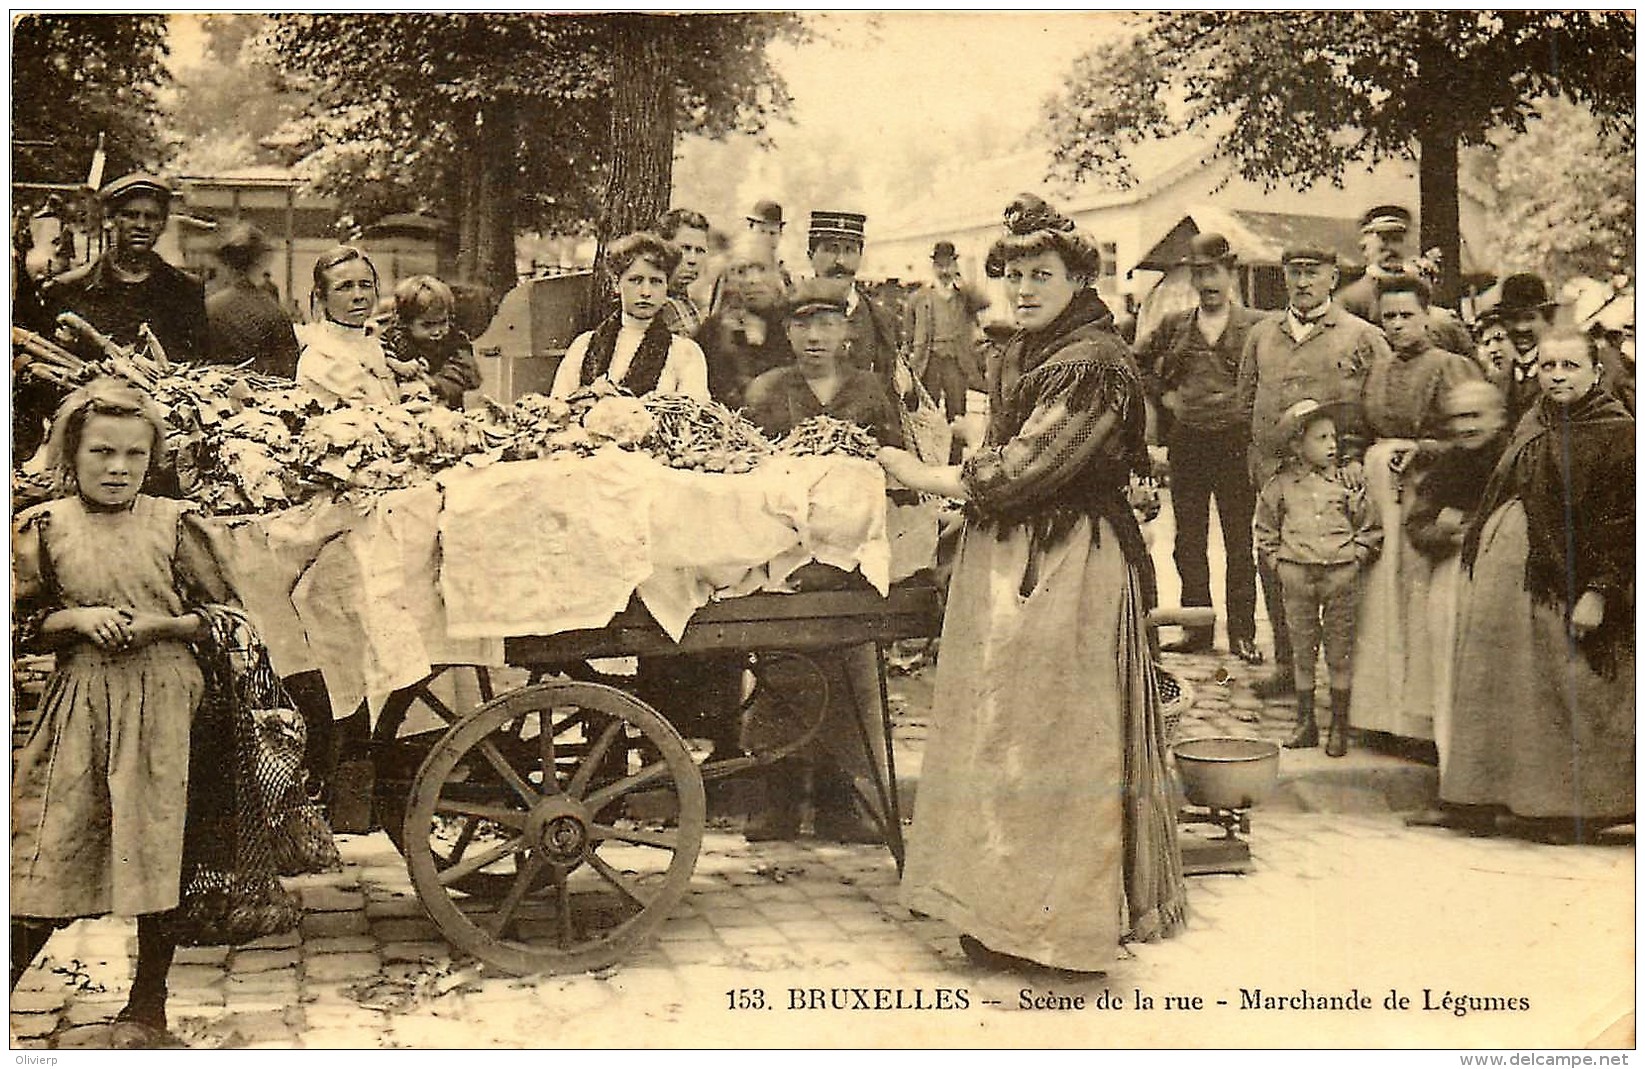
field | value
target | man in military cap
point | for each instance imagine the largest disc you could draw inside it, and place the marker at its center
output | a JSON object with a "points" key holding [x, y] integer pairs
{"points": [[835, 245], [130, 284], [944, 331], [1314, 350], [1192, 363], [1382, 234]]}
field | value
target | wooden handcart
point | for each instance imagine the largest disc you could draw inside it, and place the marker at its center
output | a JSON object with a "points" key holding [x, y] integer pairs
{"points": [[557, 826]]}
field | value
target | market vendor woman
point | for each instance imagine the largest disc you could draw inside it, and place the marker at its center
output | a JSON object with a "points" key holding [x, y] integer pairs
{"points": [[1045, 830], [634, 348]]}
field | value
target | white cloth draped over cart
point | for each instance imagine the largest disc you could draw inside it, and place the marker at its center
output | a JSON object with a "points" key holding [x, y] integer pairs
{"points": [[374, 593]]}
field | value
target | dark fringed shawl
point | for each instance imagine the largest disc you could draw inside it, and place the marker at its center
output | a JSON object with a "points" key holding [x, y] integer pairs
{"points": [[644, 371], [1082, 361], [1573, 468]]}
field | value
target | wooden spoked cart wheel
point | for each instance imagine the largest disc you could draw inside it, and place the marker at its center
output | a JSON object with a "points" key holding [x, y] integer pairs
{"points": [[582, 809]]}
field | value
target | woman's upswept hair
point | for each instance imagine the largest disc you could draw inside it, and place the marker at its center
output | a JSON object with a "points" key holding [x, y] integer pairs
{"points": [[1589, 344], [337, 256], [100, 397], [1032, 227], [642, 245]]}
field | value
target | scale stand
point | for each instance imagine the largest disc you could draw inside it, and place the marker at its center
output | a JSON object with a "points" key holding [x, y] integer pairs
{"points": [[1203, 856]]}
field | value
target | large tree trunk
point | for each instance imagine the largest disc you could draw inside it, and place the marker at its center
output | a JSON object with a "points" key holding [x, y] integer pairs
{"points": [[642, 139], [485, 245], [1437, 177]]}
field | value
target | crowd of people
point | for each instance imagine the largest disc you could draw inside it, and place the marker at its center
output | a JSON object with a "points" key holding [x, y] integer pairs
{"points": [[1386, 450], [1451, 518]]}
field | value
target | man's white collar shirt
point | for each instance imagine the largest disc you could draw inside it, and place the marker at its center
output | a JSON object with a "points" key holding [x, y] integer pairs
{"points": [[1301, 324]]}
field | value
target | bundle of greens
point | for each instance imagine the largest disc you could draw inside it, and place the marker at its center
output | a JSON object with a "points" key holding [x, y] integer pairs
{"points": [[822, 436], [703, 437]]}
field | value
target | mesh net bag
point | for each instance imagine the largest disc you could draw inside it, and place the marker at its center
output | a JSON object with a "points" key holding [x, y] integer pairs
{"points": [[248, 812]]}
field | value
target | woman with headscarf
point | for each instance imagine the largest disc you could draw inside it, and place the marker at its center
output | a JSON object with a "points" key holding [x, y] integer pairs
{"points": [[1047, 711], [1542, 722]]}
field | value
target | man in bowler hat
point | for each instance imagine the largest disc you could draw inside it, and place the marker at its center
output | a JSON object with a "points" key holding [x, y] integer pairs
{"points": [[1527, 313], [130, 284], [944, 317], [1192, 363]]}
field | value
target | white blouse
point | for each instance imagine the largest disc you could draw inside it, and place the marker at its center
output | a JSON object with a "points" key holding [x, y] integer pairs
{"points": [[684, 371], [339, 363]]}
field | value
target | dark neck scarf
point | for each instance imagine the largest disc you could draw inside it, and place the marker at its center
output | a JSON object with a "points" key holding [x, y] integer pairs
{"points": [[1085, 309], [1572, 469], [1081, 358], [644, 371]]}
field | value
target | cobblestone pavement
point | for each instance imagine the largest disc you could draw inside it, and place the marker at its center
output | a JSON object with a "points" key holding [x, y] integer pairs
{"points": [[1335, 902]]}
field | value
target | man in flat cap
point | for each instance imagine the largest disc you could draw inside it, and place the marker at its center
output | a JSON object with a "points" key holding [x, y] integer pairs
{"points": [[130, 284], [1383, 231], [1315, 349], [944, 331], [244, 322], [835, 244], [1192, 362], [820, 382]]}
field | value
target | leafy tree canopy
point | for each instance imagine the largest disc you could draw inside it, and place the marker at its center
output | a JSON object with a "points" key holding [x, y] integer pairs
{"points": [[399, 96], [1296, 96], [1565, 195], [1367, 85], [224, 109], [74, 77]]}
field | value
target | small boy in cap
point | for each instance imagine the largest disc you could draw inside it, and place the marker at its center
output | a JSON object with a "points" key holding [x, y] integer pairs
{"points": [[1317, 533]]}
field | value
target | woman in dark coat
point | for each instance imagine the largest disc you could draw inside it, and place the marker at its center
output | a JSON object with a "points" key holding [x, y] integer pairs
{"points": [[1543, 718]]}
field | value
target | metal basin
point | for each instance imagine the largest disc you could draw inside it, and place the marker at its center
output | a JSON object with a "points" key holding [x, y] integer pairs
{"points": [[1227, 773]]}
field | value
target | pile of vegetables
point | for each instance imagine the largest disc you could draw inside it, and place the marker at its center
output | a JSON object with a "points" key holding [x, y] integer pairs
{"points": [[703, 437], [243, 442], [822, 436]]}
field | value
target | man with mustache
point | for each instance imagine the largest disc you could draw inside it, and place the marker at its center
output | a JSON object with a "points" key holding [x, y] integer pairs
{"points": [[130, 284], [1527, 313], [835, 245], [1192, 362], [1314, 350], [1383, 231]]}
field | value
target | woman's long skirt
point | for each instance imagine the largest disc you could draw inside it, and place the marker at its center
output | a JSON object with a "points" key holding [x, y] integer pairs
{"points": [[1044, 825], [1397, 649], [1533, 728]]}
